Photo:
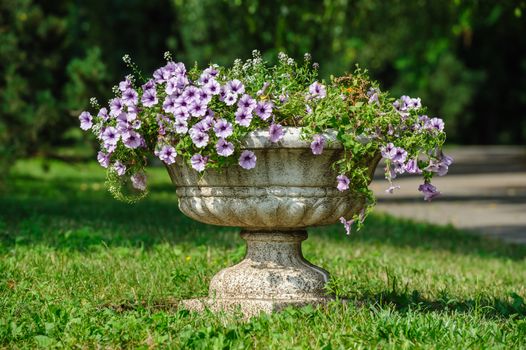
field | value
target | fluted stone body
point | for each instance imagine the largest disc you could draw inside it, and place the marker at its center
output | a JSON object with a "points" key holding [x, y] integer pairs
{"points": [[289, 190]]}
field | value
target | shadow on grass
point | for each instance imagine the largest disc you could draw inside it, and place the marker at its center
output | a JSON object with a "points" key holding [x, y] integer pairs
{"points": [[385, 229], [78, 213], [489, 307]]}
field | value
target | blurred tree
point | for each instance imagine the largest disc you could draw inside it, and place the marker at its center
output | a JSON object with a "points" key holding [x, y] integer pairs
{"points": [[465, 58]]}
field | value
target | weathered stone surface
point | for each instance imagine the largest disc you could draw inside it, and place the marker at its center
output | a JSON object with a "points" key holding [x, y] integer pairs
{"points": [[289, 190]]}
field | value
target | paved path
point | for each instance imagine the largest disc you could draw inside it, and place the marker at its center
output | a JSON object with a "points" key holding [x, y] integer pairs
{"points": [[485, 191]]}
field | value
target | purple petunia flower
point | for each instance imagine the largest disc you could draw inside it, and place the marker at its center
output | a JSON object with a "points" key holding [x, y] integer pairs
{"points": [[435, 124], [317, 144], [388, 151], [110, 136], [343, 183], [243, 117], [181, 126], [275, 132], [439, 167], [247, 103], [103, 159], [212, 87], [136, 124], [198, 108], [448, 160], [158, 76], [347, 224], [150, 85], [116, 106], [190, 93], [86, 120], [264, 109], [200, 139], [400, 155], [169, 104], [167, 154], [130, 97], [181, 113], [391, 189], [204, 96], [172, 86], [405, 104], [429, 191], [103, 114], [224, 148], [247, 160], [139, 181], [119, 168], [182, 103], [131, 112], [132, 139], [235, 86], [317, 90], [372, 93], [230, 99], [125, 84], [205, 78], [412, 167], [223, 128], [149, 98], [198, 162], [398, 167], [212, 71]]}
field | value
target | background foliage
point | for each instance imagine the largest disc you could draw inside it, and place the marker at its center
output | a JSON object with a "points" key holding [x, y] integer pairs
{"points": [[465, 58]]}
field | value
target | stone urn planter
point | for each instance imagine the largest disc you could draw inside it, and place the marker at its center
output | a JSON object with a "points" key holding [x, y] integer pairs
{"points": [[289, 190]]}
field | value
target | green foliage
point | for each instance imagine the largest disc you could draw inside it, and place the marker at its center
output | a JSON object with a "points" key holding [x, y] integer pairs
{"points": [[78, 269], [364, 119], [464, 58]]}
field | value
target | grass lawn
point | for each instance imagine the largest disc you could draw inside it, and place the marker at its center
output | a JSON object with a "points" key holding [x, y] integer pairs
{"points": [[81, 270]]}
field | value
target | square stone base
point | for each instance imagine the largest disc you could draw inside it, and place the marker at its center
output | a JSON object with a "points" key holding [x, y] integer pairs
{"points": [[249, 307]]}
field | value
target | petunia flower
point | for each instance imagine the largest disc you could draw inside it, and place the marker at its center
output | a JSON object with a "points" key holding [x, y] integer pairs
{"points": [[86, 120], [198, 162], [343, 183], [223, 128], [149, 98], [130, 97], [131, 139], [167, 154], [110, 136], [317, 144], [243, 117], [235, 86], [347, 224], [103, 159], [116, 107], [264, 109], [247, 103], [119, 168], [200, 139], [276, 133], [429, 191], [212, 87], [247, 160], [138, 181], [224, 148], [317, 90]]}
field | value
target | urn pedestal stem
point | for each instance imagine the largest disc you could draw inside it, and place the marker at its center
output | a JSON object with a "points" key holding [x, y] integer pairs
{"points": [[273, 275]]}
